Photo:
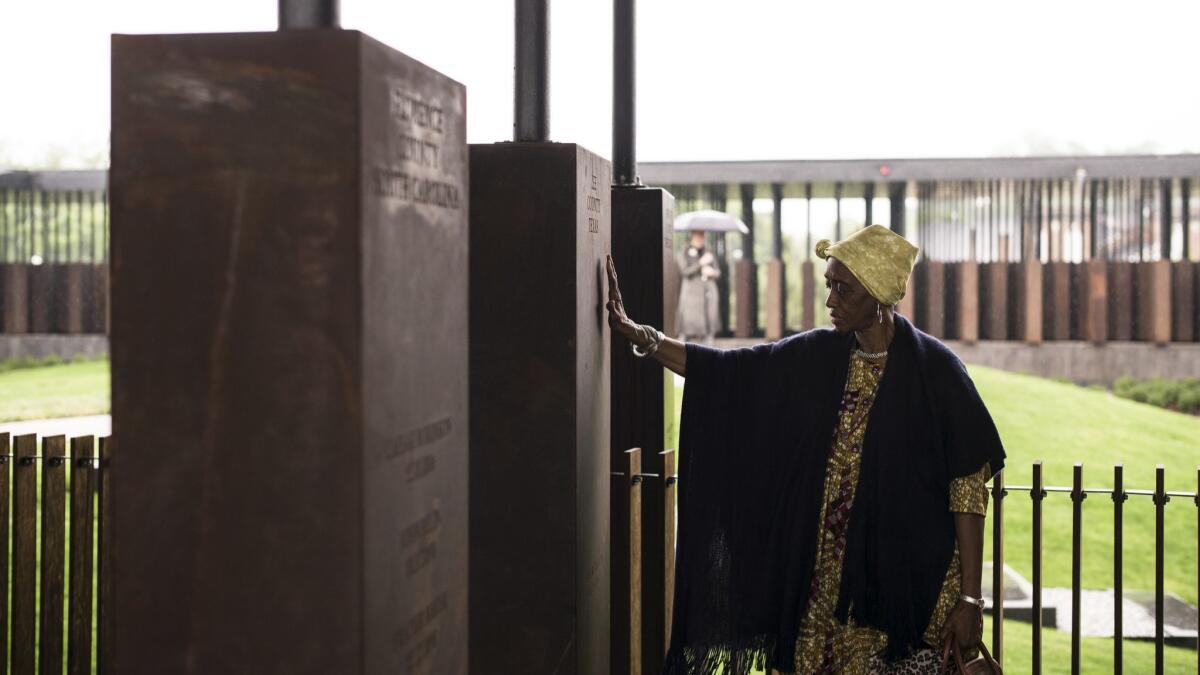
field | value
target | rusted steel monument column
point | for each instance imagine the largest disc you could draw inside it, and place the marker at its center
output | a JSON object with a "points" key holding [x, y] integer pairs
{"points": [[1153, 301], [290, 396], [968, 301], [16, 298], [1093, 308], [643, 392], [540, 463], [1031, 270]]}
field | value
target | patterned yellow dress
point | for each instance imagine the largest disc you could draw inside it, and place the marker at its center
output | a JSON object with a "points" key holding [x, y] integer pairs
{"points": [[826, 645]]}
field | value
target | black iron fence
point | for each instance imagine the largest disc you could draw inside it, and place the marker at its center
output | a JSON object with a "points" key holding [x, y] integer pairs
{"points": [[1038, 492], [634, 613], [53, 217]]}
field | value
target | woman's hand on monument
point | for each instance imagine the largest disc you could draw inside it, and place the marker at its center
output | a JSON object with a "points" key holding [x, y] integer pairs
{"points": [[671, 353], [618, 321]]}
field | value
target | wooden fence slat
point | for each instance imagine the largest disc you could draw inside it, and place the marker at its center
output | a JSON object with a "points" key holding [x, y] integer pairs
{"points": [[634, 592], [5, 512], [54, 508], [79, 627], [24, 556], [625, 548], [104, 559], [670, 497]]}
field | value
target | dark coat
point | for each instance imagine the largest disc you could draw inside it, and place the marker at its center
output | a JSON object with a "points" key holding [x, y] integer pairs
{"points": [[756, 431]]}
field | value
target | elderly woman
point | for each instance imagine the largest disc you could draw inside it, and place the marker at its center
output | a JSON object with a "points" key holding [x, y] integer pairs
{"points": [[832, 491]]}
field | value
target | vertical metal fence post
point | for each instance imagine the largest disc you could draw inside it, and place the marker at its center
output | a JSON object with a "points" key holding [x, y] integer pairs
{"points": [[1077, 497], [1037, 494], [998, 494], [1118, 496], [1160, 502]]}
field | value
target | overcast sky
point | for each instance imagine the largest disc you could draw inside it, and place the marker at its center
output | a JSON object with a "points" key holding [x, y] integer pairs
{"points": [[752, 79]]}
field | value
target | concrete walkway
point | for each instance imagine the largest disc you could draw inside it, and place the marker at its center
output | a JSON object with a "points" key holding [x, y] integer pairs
{"points": [[95, 425]]}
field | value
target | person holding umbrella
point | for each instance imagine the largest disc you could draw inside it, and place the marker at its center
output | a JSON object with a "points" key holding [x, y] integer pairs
{"points": [[698, 317]]}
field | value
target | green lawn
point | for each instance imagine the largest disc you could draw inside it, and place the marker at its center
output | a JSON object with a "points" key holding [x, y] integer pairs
{"points": [[1061, 424], [63, 390]]}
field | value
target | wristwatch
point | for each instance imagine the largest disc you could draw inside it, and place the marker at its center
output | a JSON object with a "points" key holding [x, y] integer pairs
{"points": [[978, 602]]}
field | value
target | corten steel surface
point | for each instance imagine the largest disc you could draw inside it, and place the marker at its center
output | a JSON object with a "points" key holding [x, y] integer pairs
{"points": [[968, 301], [933, 284], [290, 395], [1032, 295], [1152, 283], [994, 306], [1120, 297], [775, 306], [907, 305], [744, 272], [16, 298], [808, 296], [1058, 300], [643, 392], [1183, 307], [540, 465], [44, 295], [1094, 303]]}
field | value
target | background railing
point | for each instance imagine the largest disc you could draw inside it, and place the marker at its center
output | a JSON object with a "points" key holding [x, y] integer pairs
{"points": [[54, 541], [1038, 492]]}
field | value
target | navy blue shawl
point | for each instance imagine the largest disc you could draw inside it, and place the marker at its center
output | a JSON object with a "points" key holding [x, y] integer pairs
{"points": [[755, 434]]}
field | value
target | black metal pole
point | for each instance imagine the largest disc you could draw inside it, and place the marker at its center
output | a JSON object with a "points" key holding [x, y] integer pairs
{"points": [[624, 93], [1164, 219], [531, 115], [1185, 196], [896, 192], [308, 14], [777, 220]]}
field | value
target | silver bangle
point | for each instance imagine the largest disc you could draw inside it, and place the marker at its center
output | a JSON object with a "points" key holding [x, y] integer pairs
{"points": [[978, 602], [656, 339]]}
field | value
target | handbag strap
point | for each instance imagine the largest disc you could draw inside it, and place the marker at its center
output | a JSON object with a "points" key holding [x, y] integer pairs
{"points": [[951, 647]]}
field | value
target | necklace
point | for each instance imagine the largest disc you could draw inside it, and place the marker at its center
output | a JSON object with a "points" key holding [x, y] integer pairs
{"points": [[868, 355]]}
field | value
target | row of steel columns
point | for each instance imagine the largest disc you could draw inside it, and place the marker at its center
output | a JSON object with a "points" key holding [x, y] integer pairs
{"points": [[1055, 220]]}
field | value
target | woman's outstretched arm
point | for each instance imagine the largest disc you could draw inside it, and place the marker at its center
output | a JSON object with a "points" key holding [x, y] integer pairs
{"points": [[671, 353]]}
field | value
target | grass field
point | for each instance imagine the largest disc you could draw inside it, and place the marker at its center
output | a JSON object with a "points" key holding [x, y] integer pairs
{"points": [[1061, 424], [63, 390]]}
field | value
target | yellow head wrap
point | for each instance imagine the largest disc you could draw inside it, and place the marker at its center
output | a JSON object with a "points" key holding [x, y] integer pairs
{"points": [[879, 258]]}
